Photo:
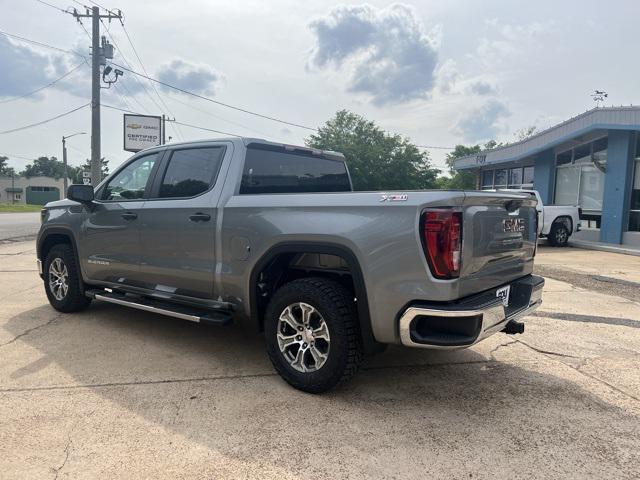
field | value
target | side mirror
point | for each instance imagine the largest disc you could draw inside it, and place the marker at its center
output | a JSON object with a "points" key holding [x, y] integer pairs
{"points": [[80, 193]]}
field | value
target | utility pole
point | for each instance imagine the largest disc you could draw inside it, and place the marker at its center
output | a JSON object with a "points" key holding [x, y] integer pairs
{"points": [[64, 157], [64, 163], [166, 119], [98, 58]]}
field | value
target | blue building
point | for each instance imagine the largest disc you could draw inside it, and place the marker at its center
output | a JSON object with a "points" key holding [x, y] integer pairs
{"points": [[592, 160]]}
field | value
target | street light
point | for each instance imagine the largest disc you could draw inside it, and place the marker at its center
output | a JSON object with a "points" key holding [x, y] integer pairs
{"points": [[64, 157]]}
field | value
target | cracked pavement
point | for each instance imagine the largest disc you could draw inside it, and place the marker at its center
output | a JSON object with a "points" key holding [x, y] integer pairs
{"points": [[113, 392]]}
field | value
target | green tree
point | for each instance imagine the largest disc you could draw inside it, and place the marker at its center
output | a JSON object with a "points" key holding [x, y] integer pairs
{"points": [[377, 160], [463, 179], [44, 167], [75, 173], [4, 168]]}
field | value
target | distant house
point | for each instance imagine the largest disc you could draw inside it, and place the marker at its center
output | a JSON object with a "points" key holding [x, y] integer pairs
{"points": [[33, 191]]}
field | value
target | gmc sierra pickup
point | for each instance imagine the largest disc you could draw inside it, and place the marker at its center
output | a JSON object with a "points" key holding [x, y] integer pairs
{"points": [[273, 236]]}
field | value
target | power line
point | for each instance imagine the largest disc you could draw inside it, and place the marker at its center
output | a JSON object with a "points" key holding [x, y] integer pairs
{"points": [[147, 74], [46, 86], [206, 112], [202, 97], [25, 127], [437, 148], [142, 86], [52, 6], [16, 156], [41, 44], [207, 129], [193, 94], [180, 123]]}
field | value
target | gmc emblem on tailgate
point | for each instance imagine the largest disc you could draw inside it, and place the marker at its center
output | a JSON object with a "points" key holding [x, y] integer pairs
{"points": [[513, 225]]}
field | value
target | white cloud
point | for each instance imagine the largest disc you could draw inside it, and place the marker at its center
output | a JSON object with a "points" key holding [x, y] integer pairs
{"points": [[195, 77], [386, 51], [484, 122]]}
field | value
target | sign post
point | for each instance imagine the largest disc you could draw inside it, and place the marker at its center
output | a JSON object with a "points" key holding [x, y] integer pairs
{"points": [[141, 131]]}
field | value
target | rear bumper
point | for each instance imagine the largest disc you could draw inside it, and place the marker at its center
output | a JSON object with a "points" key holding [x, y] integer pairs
{"points": [[469, 320]]}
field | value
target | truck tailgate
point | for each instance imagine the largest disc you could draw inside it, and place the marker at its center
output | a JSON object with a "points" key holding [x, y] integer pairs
{"points": [[498, 240]]}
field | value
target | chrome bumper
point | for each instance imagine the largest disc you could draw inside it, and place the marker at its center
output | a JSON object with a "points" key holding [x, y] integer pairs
{"points": [[491, 319]]}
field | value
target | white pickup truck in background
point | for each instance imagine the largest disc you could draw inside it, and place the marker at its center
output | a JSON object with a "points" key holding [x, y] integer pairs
{"points": [[557, 222]]}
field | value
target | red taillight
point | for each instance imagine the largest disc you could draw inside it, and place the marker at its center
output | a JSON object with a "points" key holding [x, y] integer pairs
{"points": [[442, 235]]}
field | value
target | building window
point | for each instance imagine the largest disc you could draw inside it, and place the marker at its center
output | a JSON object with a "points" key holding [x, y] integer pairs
{"points": [[634, 209], [487, 179], [515, 178], [512, 178], [564, 157], [527, 176], [500, 179], [579, 175]]}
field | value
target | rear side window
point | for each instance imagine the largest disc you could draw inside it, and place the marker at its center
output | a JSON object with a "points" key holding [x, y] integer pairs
{"points": [[274, 170], [191, 171]]}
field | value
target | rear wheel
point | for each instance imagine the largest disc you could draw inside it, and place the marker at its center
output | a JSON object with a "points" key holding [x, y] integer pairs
{"points": [[62, 280], [312, 334], [559, 235]]}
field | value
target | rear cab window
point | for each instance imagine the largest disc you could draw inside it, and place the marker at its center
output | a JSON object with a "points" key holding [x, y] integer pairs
{"points": [[274, 169], [190, 172]]}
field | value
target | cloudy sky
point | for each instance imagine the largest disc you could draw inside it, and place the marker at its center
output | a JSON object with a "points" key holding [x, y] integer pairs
{"points": [[438, 72]]}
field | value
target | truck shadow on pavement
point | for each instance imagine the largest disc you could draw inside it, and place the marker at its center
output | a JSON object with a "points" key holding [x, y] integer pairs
{"points": [[573, 317], [408, 411]]}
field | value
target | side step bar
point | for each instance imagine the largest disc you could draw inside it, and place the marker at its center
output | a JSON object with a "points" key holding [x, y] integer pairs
{"points": [[211, 317]]}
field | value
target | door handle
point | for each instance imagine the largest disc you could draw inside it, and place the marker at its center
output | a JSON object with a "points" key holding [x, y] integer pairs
{"points": [[129, 216], [200, 217]]}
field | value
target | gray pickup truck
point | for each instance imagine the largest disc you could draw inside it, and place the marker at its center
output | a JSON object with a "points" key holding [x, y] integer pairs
{"points": [[272, 236]]}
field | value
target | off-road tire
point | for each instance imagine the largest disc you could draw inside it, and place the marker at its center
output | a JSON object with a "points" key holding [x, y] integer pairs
{"points": [[75, 299], [559, 235], [336, 305]]}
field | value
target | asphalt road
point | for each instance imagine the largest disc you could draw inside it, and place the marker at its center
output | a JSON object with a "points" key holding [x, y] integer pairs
{"points": [[14, 226], [117, 393]]}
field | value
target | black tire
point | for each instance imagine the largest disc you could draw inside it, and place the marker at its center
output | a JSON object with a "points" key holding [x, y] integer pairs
{"points": [[336, 306], [74, 299], [559, 235]]}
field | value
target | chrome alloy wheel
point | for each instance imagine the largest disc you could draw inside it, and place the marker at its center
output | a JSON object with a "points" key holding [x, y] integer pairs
{"points": [[58, 279], [303, 337], [562, 235]]}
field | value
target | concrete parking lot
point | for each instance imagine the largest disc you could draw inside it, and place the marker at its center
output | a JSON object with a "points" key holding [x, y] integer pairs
{"points": [[117, 393]]}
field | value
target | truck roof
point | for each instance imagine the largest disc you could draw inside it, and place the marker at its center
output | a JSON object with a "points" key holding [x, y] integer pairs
{"points": [[260, 141]]}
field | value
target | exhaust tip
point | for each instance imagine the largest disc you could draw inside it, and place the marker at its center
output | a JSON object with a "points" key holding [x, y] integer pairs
{"points": [[513, 327]]}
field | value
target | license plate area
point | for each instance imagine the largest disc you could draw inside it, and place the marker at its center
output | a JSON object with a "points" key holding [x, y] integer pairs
{"points": [[503, 294]]}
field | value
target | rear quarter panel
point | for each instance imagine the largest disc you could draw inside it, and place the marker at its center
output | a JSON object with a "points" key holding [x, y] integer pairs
{"points": [[383, 236]]}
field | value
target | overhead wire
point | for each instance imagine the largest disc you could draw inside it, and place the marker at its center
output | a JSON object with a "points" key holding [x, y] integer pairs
{"points": [[135, 51], [181, 123], [202, 97], [176, 88], [25, 127], [50, 84], [140, 83]]}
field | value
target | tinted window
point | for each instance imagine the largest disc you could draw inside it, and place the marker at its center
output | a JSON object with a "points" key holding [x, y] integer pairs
{"points": [[563, 158], [527, 176], [515, 177], [130, 182], [278, 171], [487, 178], [191, 172], [501, 178]]}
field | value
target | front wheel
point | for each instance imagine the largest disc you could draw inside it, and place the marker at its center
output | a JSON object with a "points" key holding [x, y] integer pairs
{"points": [[559, 235], [312, 334], [62, 280]]}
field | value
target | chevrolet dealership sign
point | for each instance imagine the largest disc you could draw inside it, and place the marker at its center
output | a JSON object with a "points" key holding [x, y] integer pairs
{"points": [[141, 131]]}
